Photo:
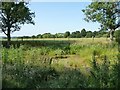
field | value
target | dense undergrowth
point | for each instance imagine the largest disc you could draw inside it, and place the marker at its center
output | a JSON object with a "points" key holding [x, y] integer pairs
{"points": [[30, 66]]}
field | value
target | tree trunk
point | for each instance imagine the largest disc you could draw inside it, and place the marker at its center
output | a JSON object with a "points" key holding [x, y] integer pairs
{"points": [[111, 34], [8, 38]]}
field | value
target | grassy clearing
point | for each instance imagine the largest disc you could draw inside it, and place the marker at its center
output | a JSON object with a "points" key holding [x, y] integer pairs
{"points": [[61, 39], [56, 63]]}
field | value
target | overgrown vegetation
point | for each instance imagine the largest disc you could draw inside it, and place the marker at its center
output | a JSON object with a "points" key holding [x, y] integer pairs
{"points": [[75, 64]]}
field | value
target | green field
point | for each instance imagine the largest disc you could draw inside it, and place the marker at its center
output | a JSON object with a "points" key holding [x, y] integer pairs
{"points": [[60, 63]]}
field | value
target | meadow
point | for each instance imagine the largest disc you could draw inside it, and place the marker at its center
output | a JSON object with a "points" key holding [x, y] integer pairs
{"points": [[60, 63]]}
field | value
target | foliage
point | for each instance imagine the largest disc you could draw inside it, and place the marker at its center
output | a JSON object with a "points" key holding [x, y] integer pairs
{"points": [[117, 36], [104, 13], [59, 35], [52, 65], [75, 34], [83, 33], [67, 34], [101, 72], [89, 34], [47, 35], [11, 20], [9, 15], [39, 36]]}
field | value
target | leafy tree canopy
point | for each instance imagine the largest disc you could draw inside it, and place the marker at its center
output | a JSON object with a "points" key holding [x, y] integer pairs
{"points": [[105, 13], [12, 15]]}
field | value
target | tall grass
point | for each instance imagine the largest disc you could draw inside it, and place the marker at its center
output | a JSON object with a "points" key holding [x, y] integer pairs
{"points": [[75, 64]]}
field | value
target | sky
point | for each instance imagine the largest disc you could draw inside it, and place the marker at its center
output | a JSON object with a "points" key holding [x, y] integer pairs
{"points": [[56, 17]]}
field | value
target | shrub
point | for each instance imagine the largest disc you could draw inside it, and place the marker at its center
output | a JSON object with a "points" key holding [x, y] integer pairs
{"points": [[117, 36]]}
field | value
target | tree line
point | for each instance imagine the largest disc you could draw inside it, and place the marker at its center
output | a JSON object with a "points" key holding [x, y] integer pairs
{"points": [[76, 34]]}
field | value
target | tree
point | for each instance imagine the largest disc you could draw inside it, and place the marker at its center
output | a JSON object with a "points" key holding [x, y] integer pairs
{"points": [[33, 36], [83, 33], [46, 35], [75, 34], [117, 35], [25, 37], [12, 15], [39, 36], [105, 13], [67, 34], [95, 33], [78, 35], [59, 35], [89, 34]]}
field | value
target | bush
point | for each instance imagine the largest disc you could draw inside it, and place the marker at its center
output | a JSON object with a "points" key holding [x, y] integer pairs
{"points": [[117, 36]]}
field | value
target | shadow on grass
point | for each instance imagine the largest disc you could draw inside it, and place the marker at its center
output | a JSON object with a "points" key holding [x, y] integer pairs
{"points": [[45, 76], [39, 43]]}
